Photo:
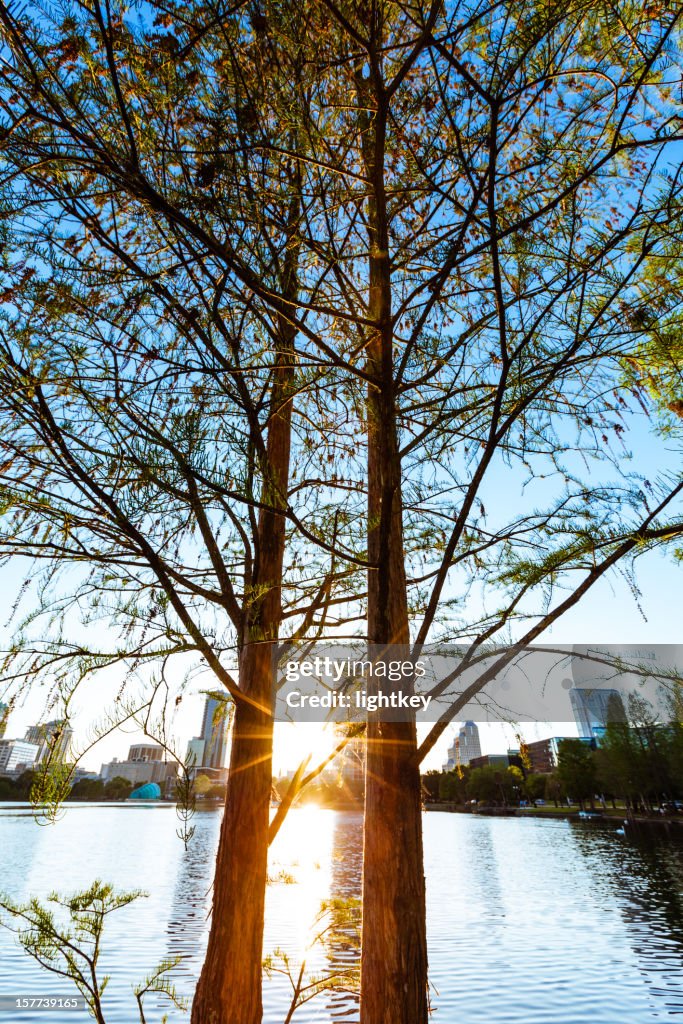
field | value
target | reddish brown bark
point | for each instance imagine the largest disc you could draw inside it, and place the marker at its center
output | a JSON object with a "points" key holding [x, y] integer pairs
{"points": [[394, 946], [229, 989]]}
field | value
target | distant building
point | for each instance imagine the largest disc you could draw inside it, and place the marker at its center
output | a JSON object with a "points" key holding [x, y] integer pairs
{"points": [[16, 755], [55, 736], [145, 763], [466, 746], [214, 733], [4, 715], [195, 753], [146, 752], [543, 754], [497, 760], [83, 774], [594, 708], [207, 753]]}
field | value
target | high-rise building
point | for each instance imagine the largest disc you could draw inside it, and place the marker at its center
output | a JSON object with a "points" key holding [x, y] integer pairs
{"points": [[16, 754], [594, 708], [53, 736], [215, 727], [146, 752], [465, 747], [4, 714], [195, 753]]}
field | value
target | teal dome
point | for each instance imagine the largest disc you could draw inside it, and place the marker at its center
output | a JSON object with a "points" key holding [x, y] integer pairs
{"points": [[150, 791]]}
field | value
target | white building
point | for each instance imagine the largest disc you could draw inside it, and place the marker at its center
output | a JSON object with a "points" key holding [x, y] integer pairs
{"points": [[145, 763], [16, 754], [195, 753]]}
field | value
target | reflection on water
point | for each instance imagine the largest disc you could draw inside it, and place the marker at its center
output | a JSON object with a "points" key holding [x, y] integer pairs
{"points": [[540, 922], [648, 878], [187, 922], [343, 953]]}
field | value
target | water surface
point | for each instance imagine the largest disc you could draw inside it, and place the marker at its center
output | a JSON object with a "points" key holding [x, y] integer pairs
{"points": [[534, 921]]}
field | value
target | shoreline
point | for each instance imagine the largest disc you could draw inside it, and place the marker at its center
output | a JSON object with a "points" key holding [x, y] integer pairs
{"points": [[562, 814]]}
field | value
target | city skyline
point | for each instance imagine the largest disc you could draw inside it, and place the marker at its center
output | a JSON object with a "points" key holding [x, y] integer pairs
{"points": [[493, 736]]}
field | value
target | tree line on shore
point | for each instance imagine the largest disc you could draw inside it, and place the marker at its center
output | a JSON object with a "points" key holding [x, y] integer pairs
{"points": [[20, 788], [638, 763]]}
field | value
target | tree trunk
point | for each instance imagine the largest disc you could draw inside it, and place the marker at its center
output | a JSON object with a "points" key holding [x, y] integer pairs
{"points": [[394, 947], [394, 943], [229, 989]]}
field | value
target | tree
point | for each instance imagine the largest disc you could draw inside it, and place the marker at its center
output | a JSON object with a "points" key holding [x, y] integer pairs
{"points": [[535, 787], [150, 389], [117, 788], [87, 789], [576, 770], [553, 788], [493, 785], [637, 759], [490, 325], [72, 948], [202, 785], [431, 784]]}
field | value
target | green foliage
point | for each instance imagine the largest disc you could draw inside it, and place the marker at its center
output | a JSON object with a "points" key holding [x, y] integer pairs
{"points": [[186, 803], [576, 770], [117, 788], [51, 786], [491, 784], [452, 787], [65, 937], [431, 782], [640, 760], [19, 788], [87, 789], [535, 787]]}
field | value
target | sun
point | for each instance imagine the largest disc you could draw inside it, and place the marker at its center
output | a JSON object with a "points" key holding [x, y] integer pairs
{"points": [[295, 741]]}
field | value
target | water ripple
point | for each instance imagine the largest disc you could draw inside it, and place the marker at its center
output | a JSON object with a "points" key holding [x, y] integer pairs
{"points": [[530, 922]]}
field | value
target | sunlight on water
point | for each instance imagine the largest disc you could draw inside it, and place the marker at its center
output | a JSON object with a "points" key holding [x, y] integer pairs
{"points": [[299, 869]]}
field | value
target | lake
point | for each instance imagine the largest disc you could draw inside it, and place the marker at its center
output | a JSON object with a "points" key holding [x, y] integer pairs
{"points": [[533, 921]]}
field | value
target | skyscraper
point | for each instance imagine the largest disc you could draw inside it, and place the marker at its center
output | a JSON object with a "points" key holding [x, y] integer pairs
{"points": [[4, 714], [470, 745], [215, 726], [465, 746], [57, 734], [594, 708], [15, 754], [195, 753]]}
